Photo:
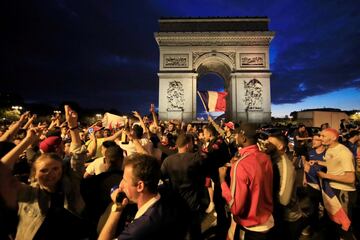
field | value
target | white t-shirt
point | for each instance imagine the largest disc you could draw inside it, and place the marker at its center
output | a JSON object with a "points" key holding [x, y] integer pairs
{"points": [[339, 160], [96, 167], [131, 149]]}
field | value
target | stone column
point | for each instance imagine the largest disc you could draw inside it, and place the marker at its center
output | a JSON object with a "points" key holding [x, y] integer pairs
{"points": [[233, 89]]}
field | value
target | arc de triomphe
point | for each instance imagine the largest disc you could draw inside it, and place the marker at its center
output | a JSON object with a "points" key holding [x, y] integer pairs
{"points": [[237, 49]]}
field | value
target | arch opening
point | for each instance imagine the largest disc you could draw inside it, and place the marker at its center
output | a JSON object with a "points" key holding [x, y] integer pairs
{"points": [[213, 75]]}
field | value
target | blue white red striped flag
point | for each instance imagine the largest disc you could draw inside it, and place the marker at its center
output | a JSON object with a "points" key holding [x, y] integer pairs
{"points": [[331, 203], [213, 101]]}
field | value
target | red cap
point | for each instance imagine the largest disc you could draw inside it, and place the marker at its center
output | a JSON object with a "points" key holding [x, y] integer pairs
{"points": [[230, 125], [50, 144]]}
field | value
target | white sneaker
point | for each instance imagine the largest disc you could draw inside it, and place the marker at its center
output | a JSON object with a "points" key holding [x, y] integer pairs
{"points": [[210, 207]]}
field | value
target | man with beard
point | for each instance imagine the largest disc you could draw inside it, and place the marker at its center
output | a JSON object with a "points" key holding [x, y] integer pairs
{"points": [[8, 203]]}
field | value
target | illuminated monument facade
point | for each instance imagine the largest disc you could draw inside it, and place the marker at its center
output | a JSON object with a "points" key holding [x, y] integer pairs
{"points": [[237, 49]]}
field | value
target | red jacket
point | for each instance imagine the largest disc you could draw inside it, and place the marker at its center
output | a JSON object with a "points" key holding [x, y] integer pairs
{"points": [[253, 202]]}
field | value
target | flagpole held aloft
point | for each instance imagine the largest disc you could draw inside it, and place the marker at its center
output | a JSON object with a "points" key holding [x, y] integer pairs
{"points": [[203, 103]]}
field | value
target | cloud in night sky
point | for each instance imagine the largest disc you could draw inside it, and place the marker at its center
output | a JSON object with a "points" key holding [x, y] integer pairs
{"points": [[103, 53]]}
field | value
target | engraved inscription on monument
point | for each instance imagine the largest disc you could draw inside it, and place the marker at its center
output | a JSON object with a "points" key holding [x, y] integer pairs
{"points": [[253, 95], [253, 60], [175, 96], [176, 60]]}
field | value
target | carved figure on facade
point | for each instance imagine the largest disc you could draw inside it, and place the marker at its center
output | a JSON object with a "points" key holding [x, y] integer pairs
{"points": [[253, 95], [175, 96], [252, 60], [176, 61]]}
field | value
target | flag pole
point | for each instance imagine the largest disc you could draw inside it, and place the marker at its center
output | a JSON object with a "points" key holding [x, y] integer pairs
{"points": [[203, 103]]}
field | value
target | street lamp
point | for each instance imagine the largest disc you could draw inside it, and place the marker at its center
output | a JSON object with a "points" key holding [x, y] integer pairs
{"points": [[18, 108], [98, 115], [57, 111]]}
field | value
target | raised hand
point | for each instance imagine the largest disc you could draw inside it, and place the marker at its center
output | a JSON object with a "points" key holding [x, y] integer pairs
{"points": [[33, 117], [71, 117], [136, 114], [24, 116], [33, 134], [152, 107]]}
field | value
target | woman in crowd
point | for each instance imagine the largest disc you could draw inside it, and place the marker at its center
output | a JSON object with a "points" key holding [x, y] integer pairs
{"points": [[49, 206]]}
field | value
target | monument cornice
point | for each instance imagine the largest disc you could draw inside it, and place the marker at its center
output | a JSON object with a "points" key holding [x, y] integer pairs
{"points": [[251, 74], [210, 38], [177, 74]]}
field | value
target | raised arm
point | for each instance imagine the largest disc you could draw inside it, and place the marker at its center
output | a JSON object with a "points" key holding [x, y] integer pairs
{"points": [[55, 121], [216, 126], [72, 120], [13, 129], [139, 148], [138, 116], [77, 150], [114, 136], [153, 113], [92, 146], [30, 121], [11, 157]]}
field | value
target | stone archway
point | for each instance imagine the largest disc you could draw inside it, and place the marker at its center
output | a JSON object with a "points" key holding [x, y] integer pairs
{"points": [[235, 48], [212, 63]]}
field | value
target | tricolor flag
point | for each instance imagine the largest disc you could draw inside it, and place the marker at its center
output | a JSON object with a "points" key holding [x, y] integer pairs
{"points": [[331, 202], [213, 101]]}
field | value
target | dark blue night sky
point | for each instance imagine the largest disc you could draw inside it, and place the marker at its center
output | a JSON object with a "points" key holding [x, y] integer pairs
{"points": [[103, 53]]}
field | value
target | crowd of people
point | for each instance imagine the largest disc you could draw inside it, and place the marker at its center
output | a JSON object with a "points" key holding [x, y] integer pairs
{"points": [[151, 179]]}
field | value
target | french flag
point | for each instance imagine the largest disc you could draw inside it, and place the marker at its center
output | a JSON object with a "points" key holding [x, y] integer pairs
{"points": [[213, 101], [331, 202]]}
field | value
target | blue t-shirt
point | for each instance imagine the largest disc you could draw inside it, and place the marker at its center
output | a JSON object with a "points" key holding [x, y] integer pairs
{"points": [[311, 176]]}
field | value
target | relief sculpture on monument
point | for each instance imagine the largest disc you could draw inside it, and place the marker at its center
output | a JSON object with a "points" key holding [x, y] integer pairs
{"points": [[253, 95], [175, 96]]}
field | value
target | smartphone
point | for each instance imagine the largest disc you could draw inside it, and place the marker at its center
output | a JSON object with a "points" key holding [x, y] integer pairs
{"points": [[91, 130], [120, 197]]}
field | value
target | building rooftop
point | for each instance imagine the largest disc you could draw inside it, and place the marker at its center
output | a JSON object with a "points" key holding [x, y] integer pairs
{"points": [[214, 24]]}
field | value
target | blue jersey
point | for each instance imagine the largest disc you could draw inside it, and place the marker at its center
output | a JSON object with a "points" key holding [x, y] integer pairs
{"points": [[313, 155], [311, 176]]}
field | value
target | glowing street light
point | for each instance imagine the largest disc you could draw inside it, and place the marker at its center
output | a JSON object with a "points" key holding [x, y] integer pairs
{"points": [[98, 115], [18, 108], [57, 111]]}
